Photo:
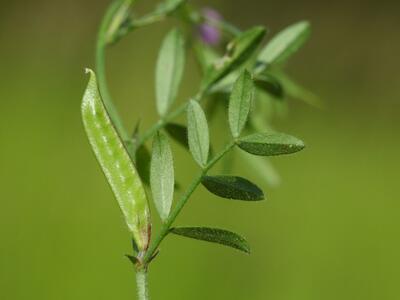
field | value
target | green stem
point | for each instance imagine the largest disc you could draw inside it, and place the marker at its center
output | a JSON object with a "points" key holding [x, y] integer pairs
{"points": [[101, 68], [142, 284], [181, 203], [165, 120], [225, 26]]}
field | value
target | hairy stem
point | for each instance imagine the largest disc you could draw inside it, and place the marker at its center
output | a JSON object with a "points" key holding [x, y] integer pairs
{"points": [[181, 203], [142, 284]]}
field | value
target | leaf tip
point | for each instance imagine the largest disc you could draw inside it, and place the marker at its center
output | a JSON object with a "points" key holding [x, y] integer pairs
{"points": [[305, 23], [89, 71], [261, 29], [298, 145]]}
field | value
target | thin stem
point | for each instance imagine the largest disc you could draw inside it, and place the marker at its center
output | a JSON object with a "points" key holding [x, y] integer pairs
{"points": [[101, 68], [181, 203], [142, 284], [225, 26], [165, 120]]}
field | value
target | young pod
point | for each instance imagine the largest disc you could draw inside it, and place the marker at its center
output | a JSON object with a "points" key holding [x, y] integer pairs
{"points": [[116, 164]]}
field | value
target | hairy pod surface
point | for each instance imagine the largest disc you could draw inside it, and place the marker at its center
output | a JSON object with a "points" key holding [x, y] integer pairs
{"points": [[116, 164]]}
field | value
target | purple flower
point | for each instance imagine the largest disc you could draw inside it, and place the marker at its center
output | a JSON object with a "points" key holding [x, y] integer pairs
{"points": [[209, 31]]}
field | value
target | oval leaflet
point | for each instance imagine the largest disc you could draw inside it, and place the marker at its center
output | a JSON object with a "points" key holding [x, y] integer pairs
{"points": [[214, 235], [240, 103], [162, 175], [285, 43], [233, 187], [198, 135], [270, 144], [169, 70]]}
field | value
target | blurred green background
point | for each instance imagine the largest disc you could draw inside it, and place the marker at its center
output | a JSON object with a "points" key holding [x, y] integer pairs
{"points": [[329, 231]]}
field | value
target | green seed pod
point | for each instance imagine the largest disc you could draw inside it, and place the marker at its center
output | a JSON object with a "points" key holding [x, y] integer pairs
{"points": [[116, 164]]}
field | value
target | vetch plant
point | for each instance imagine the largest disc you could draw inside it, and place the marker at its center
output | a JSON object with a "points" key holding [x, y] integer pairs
{"points": [[246, 81]]}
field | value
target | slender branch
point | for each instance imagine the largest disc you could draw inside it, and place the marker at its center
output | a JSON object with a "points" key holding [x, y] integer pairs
{"points": [[181, 203], [142, 284], [165, 120], [101, 68]]}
